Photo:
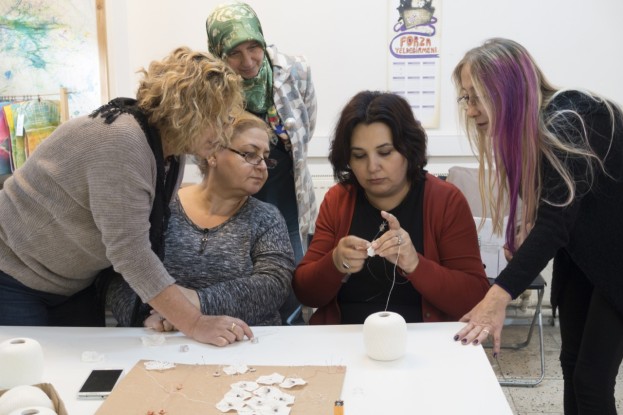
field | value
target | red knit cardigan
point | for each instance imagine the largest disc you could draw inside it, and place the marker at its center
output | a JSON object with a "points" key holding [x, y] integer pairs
{"points": [[450, 278]]}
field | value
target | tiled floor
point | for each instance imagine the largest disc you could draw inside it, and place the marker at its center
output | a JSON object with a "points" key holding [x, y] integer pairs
{"points": [[545, 398]]}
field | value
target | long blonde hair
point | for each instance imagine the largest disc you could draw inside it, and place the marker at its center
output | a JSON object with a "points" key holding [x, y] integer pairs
{"points": [[521, 136]]}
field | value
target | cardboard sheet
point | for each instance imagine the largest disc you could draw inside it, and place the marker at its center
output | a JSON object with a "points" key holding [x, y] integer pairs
{"points": [[194, 389]]}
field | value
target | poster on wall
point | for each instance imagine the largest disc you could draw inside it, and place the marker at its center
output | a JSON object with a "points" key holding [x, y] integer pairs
{"points": [[46, 45], [414, 48]]}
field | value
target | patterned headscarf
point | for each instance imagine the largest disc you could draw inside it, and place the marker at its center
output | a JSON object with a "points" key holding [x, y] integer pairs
{"points": [[228, 26]]}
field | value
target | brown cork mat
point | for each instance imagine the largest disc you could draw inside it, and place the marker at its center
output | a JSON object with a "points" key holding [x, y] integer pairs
{"points": [[196, 389]]}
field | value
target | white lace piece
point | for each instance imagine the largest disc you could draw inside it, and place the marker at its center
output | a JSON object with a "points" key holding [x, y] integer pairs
{"points": [[237, 394], [158, 365], [245, 385], [292, 382], [273, 379], [236, 369], [226, 405], [249, 398], [153, 340]]}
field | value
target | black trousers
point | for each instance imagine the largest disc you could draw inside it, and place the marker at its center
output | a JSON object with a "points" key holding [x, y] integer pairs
{"points": [[24, 306], [592, 342]]}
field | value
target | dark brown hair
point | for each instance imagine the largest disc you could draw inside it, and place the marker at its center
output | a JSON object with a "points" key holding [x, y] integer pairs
{"points": [[367, 107]]}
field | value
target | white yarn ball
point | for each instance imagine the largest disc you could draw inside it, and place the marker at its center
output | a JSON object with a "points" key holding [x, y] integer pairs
{"points": [[385, 335], [22, 397], [21, 362], [34, 410]]}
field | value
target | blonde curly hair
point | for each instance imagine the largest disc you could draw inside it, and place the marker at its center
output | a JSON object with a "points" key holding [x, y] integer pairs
{"points": [[187, 93]]}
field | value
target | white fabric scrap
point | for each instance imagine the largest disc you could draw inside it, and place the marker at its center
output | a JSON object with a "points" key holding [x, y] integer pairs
{"points": [[158, 365], [256, 402], [226, 405], [270, 393], [245, 385], [237, 394], [286, 399], [273, 379], [153, 340], [291, 382], [236, 369]]}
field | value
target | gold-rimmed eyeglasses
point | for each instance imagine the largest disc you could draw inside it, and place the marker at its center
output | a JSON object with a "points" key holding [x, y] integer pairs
{"points": [[254, 159], [466, 101]]}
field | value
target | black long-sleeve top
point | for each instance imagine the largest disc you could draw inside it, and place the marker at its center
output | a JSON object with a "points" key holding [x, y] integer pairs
{"points": [[590, 229]]}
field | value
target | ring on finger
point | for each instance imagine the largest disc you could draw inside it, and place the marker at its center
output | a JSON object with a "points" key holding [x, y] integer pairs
{"points": [[485, 331], [233, 326]]}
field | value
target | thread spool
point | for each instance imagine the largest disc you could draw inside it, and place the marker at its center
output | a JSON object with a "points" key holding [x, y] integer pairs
{"points": [[34, 410], [21, 362], [22, 397], [385, 335]]}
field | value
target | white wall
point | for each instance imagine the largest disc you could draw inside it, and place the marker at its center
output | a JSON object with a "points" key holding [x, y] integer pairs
{"points": [[575, 42]]}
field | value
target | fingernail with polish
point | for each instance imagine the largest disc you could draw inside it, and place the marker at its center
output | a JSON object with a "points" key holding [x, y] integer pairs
{"points": [[456, 337], [475, 342], [464, 341], [495, 355]]}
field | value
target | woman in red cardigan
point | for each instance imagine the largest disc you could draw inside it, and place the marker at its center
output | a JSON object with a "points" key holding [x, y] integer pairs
{"points": [[389, 235]]}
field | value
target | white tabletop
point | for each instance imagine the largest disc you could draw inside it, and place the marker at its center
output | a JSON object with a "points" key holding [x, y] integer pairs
{"points": [[436, 376]]}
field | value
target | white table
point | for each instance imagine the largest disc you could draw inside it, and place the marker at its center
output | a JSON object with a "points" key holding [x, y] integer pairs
{"points": [[436, 376]]}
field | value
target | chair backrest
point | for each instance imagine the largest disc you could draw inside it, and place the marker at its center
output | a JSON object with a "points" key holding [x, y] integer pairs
{"points": [[466, 179], [491, 245]]}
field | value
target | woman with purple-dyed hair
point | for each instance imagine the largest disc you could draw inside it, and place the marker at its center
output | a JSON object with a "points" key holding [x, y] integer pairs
{"points": [[556, 157]]}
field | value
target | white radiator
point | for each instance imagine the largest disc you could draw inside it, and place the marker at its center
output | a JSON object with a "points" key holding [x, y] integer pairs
{"points": [[322, 183]]}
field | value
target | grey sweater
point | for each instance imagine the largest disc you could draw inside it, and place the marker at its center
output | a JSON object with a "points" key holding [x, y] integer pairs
{"points": [[79, 204], [243, 269]]}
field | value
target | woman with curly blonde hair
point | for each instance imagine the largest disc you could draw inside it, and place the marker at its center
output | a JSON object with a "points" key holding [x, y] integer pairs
{"points": [[556, 156], [95, 195]]}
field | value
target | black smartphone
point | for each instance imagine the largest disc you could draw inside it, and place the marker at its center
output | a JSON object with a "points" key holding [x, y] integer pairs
{"points": [[99, 384]]}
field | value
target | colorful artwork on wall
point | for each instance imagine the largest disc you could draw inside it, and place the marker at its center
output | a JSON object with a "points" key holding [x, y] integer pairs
{"points": [[46, 45]]}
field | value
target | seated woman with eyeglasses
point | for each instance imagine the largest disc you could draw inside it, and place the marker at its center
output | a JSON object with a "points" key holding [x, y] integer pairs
{"points": [[229, 253], [389, 236]]}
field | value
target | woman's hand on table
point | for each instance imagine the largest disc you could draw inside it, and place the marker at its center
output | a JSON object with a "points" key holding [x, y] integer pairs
{"points": [[157, 322], [173, 304], [220, 330], [485, 319], [223, 330]]}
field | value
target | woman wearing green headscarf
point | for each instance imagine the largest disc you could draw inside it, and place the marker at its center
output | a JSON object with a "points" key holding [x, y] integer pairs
{"points": [[277, 88]]}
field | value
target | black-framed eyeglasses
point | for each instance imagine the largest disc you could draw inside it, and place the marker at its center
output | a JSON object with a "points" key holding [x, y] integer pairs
{"points": [[254, 159], [466, 101]]}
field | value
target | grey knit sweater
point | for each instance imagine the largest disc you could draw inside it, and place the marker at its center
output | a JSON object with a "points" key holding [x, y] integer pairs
{"points": [[79, 204], [243, 269]]}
